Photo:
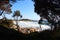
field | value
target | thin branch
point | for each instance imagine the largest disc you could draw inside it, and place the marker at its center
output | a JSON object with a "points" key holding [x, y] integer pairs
{"points": [[2, 12]]}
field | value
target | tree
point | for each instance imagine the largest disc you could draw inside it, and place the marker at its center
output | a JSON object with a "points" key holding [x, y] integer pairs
{"points": [[48, 9], [17, 14], [40, 21], [5, 3], [5, 6]]}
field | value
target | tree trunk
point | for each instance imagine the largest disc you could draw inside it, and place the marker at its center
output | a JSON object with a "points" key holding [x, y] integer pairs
{"points": [[4, 16], [40, 27], [17, 23], [40, 23]]}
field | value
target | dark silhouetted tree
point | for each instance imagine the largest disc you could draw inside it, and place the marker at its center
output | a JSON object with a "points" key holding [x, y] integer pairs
{"points": [[5, 6], [50, 10]]}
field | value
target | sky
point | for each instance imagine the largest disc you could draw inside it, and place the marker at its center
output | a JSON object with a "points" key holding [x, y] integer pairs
{"points": [[26, 9]]}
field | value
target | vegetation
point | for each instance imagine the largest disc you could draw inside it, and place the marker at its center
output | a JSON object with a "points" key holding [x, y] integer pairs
{"points": [[6, 23], [17, 14], [50, 10], [5, 6], [11, 34], [44, 8]]}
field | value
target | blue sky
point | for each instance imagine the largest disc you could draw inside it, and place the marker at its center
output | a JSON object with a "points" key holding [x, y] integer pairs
{"points": [[26, 8]]}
